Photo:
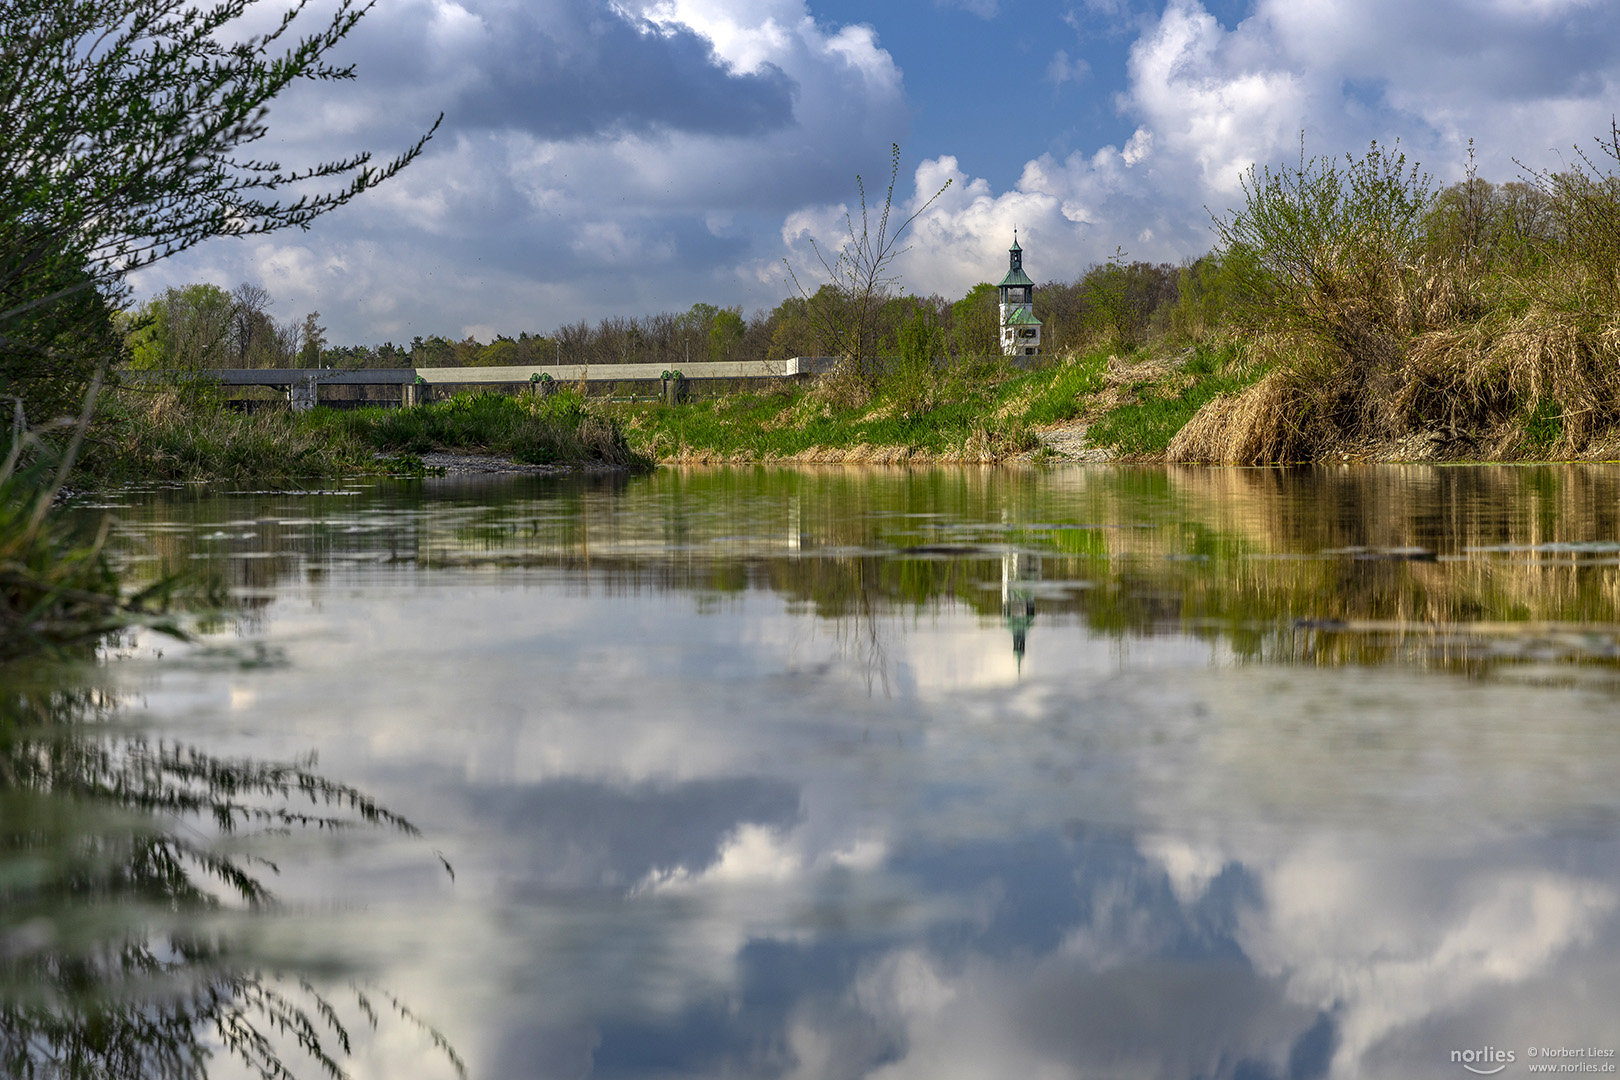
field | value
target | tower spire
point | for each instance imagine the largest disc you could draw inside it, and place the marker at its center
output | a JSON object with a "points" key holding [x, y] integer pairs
{"points": [[1020, 329]]}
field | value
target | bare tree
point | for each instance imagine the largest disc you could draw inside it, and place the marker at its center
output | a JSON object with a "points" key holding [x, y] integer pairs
{"points": [[861, 276]]}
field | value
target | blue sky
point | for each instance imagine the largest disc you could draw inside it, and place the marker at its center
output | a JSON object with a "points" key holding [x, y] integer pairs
{"points": [[620, 157]]}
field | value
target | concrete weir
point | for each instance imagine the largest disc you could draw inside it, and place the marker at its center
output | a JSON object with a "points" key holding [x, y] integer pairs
{"points": [[566, 373], [302, 385]]}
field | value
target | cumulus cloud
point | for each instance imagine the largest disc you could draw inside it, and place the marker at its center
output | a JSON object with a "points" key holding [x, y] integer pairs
{"points": [[585, 150], [1521, 77]]}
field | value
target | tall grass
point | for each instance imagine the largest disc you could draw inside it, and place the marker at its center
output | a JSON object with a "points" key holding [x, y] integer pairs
{"points": [[144, 438], [1062, 396], [161, 438], [1482, 321], [1146, 427], [58, 591], [558, 429]]}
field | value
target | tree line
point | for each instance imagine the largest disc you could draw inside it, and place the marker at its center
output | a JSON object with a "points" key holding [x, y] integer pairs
{"points": [[204, 326]]}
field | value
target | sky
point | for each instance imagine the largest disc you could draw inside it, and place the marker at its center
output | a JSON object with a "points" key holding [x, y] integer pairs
{"points": [[607, 158]]}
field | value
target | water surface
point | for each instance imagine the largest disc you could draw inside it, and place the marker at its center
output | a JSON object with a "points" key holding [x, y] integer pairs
{"points": [[955, 773]]}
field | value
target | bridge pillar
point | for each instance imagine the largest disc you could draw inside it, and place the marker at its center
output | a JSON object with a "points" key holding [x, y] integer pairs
{"points": [[304, 395]]}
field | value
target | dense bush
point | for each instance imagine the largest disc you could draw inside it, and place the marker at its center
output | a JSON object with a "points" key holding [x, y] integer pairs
{"points": [[1484, 319], [559, 428]]}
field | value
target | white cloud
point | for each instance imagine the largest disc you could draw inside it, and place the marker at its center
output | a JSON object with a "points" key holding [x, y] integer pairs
{"points": [[538, 203], [1064, 68], [1344, 935], [1138, 147]]}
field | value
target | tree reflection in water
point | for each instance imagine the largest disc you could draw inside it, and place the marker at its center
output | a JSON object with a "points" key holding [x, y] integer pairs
{"points": [[120, 860]]}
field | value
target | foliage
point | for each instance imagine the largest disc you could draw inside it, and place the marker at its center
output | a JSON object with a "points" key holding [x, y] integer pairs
{"points": [[977, 322], [127, 118], [100, 831], [1208, 296], [1481, 227], [1108, 289], [312, 336], [57, 590], [1146, 426], [1328, 250], [185, 329], [1325, 259], [147, 437], [1063, 396], [914, 375], [1584, 204], [726, 329], [554, 429], [56, 329], [122, 126], [1543, 425], [1482, 319], [160, 438]]}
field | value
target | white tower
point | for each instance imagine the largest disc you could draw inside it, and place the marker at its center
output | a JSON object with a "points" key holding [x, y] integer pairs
{"points": [[1020, 329]]}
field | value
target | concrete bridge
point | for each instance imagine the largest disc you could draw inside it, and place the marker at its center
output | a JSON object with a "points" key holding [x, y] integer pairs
{"points": [[302, 385]]}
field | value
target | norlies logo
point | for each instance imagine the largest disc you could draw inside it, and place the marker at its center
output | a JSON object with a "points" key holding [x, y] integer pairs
{"points": [[1486, 1061]]}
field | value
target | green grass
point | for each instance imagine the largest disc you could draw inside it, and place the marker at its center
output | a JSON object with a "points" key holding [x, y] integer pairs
{"points": [[1062, 398], [1145, 427], [146, 440], [560, 429], [135, 441], [1543, 425], [971, 409]]}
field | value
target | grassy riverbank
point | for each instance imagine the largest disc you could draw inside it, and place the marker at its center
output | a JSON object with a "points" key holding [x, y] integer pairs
{"points": [[979, 410], [982, 410], [1535, 391], [1370, 314], [161, 438]]}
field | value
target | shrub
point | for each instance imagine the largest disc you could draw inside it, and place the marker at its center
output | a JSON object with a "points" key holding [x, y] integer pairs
{"points": [[57, 589], [913, 378], [559, 428]]}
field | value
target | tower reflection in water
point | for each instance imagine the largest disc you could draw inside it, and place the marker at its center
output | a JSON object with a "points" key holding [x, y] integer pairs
{"points": [[1020, 571]]}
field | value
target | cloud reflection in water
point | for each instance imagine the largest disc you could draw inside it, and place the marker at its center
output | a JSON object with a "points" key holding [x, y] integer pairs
{"points": [[695, 835]]}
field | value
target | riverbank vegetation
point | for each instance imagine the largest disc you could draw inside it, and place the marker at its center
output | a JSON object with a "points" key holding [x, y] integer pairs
{"points": [[972, 410], [1478, 321], [164, 437], [561, 428], [58, 592]]}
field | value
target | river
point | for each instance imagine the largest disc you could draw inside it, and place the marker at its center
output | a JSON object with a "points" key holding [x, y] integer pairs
{"points": [[1079, 772]]}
